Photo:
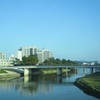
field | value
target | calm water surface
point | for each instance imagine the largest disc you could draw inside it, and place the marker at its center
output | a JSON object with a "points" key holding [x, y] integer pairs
{"points": [[44, 87]]}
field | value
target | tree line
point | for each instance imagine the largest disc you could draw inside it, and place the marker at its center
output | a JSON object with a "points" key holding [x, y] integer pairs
{"points": [[33, 60], [57, 61], [30, 60]]}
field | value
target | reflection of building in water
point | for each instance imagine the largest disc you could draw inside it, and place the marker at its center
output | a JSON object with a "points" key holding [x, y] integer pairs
{"points": [[29, 86], [6, 86], [42, 86], [45, 87]]}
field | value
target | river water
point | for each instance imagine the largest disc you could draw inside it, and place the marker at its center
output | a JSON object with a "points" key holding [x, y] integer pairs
{"points": [[45, 87]]}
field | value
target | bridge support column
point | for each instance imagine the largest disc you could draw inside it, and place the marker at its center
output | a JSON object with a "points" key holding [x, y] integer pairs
{"points": [[83, 71], [26, 79], [91, 70], [59, 79], [59, 71], [27, 71]]}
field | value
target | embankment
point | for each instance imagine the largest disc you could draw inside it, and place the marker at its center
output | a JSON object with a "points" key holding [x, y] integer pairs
{"points": [[8, 75], [90, 84]]}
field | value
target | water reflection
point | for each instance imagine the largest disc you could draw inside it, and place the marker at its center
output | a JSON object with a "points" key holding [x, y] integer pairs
{"points": [[33, 84], [43, 84]]}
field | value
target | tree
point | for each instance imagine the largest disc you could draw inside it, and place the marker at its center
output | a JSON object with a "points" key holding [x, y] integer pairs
{"points": [[30, 60], [17, 61], [64, 61], [58, 61]]}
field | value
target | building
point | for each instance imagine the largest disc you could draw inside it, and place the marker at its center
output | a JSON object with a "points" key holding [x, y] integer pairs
{"points": [[26, 51], [98, 62], [6, 61], [2, 55], [42, 55], [19, 54]]}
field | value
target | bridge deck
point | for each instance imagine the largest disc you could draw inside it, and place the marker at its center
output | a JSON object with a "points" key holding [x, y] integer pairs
{"points": [[20, 67]]}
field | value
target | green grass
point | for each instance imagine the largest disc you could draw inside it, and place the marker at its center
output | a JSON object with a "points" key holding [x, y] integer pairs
{"points": [[90, 84], [93, 81], [2, 71]]}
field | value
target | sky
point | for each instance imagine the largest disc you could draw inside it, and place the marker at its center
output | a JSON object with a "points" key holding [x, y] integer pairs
{"points": [[69, 28]]}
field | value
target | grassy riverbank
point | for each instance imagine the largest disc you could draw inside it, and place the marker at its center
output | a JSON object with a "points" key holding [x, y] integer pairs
{"points": [[8, 75], [3, 71], [90, 84], [53, 70]]}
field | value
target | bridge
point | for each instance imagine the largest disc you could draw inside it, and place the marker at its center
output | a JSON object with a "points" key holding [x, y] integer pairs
{"points": [[28, 69]]}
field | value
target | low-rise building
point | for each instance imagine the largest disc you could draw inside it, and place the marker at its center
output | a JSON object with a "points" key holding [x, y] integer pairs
{"points": [[6, 61]]}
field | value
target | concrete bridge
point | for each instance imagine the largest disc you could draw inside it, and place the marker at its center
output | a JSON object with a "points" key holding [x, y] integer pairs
{"points": [[28, 69]]}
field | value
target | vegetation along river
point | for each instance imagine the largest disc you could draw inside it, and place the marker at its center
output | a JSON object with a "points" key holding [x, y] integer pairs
{"points": [[45, 87]]}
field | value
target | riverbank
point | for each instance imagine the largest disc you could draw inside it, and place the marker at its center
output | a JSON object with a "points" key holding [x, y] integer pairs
{"points": [[53, 71], [90, 84], [8, 75]]}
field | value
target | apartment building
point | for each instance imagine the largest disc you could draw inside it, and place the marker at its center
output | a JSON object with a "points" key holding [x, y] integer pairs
{"points": [[6, 61], [2, 55], [42, 55], [26, 51]]}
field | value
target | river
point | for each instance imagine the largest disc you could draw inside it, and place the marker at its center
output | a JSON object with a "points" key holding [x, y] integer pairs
{"points": [[45, 87]]}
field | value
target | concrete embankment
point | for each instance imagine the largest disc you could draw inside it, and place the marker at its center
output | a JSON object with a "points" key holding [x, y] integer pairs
{"points": [[90, 84], [8, 75]]}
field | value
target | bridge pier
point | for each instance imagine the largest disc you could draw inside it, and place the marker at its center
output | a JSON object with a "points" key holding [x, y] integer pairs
{"points": [[91, 71], [27, 71], [26, 79], [59, 71], [59, 79]]}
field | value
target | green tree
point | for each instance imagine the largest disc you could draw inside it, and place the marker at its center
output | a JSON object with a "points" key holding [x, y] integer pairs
{"points": [[64, 61], [58, 61], [30, 60], [17, 61]]}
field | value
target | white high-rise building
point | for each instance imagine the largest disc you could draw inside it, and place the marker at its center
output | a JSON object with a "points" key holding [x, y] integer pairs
{"points": [[26, 51], [40, 56], [44, 55], [19, 54], [2, 55]]}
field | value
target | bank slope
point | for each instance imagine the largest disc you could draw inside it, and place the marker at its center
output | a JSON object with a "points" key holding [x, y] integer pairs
{"points": [[8, 75], [90, 84]]}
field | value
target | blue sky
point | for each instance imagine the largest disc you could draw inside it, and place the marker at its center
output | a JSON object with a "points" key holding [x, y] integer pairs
{"points": [[70, 28]]}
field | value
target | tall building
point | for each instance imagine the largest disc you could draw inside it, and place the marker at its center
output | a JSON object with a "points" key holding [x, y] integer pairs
{"points": [[26, 51], [19, 54], [2, 55], [40, 56], [44, 54]]}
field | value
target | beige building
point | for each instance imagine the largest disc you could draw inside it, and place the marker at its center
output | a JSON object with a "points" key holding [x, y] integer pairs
{"points": [[6, 61], [44, 54]]}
